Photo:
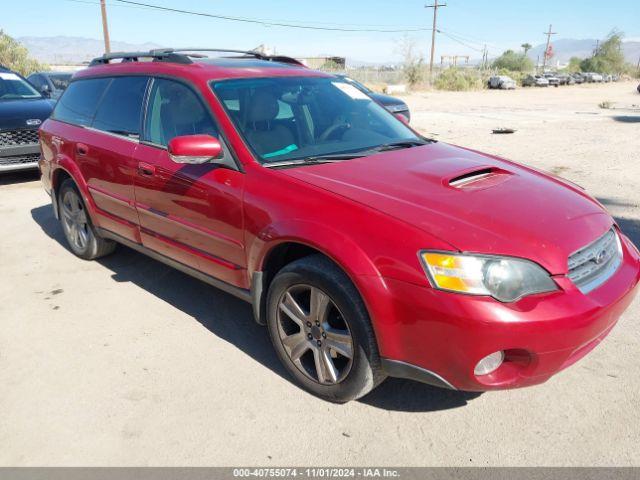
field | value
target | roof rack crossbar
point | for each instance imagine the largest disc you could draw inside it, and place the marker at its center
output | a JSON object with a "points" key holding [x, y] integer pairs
{"points": [[184, 55], [197, 49], [156, 55]]}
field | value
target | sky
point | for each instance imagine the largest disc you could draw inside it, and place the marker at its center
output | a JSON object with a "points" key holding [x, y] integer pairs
{"points": [[501, 24]]}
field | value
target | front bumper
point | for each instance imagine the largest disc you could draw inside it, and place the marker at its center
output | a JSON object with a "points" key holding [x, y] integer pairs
{"points": [[439, 337], [21, 157]]}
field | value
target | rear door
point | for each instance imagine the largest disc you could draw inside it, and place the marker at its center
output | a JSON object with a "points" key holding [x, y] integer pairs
{"points": [[106, 157], [190, 213], [107, 115]]}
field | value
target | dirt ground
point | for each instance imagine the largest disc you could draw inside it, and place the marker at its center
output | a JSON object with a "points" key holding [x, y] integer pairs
{"points": [[128, 362]]}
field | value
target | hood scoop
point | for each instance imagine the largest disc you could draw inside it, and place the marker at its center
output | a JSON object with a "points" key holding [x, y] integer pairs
{"points": [[479, 178]]}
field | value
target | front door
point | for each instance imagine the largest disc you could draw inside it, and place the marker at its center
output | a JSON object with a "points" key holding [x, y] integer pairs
{"points": [[190, 213]]}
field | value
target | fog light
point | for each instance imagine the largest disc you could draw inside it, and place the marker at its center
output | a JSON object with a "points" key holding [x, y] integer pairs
{"points": [[489, 364]]}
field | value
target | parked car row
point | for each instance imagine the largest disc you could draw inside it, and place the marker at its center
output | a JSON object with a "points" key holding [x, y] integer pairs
{"points": [[550, 79]]}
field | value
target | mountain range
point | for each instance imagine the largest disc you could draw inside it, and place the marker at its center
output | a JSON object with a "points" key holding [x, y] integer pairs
{"points": [[565, 48], [64, 50]]}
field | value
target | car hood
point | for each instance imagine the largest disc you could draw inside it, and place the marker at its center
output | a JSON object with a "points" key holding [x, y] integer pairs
{"points": [[386, 99], [15, 113], [474, 202]]}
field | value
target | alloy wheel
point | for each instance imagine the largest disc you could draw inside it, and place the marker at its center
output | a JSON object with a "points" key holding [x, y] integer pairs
{"points": [[74, 219], [314, 334]]}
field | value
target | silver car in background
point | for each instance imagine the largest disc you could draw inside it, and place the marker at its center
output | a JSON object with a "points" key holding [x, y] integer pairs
{"points": [[501, 82], [535, 81]]}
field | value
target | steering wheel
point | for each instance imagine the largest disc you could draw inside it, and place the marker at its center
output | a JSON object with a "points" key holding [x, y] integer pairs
{"points": [[333, 129]]}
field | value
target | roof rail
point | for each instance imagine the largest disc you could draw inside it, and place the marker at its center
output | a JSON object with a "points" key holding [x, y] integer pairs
{"points": [[156, 55], [184, 55], [251, 53]]}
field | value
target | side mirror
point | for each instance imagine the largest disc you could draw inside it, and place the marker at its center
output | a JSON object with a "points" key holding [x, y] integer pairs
{"points": [[45, 91], [194, 149], [402, 118]]}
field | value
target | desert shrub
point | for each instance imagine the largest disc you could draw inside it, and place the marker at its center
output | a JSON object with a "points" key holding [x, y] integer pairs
{"points": [[414, 72], [512, 61], [608, 58], [459, 80]]}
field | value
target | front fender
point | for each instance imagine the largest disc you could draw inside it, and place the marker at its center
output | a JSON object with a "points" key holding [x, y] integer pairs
{"points": [[327, 240]]}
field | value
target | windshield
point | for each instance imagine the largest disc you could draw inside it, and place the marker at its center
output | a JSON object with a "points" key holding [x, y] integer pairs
{"points": [[291, 118], [13, 87], [60, 80]]}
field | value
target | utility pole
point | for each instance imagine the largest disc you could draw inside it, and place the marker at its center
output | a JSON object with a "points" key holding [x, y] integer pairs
{"points": [[435, 7], [597, 50], [105, 27], [546, 51]]}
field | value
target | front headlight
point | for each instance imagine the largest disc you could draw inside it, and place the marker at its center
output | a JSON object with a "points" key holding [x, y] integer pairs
{"points": [[504, 278]]}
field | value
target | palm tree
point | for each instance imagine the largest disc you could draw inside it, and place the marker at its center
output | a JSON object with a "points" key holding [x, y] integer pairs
{"points": [[526, 47]]}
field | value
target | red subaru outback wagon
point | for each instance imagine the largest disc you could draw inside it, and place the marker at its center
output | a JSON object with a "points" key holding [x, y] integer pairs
{"points": [[367, 249]]}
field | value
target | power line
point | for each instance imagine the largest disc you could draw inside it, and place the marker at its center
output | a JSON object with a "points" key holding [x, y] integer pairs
{"points": [[401, 27], [452, 37], [268, 23]]}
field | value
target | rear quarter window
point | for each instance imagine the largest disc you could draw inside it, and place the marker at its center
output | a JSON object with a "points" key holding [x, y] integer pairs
{"points": [[80, 100], [120, 109]]}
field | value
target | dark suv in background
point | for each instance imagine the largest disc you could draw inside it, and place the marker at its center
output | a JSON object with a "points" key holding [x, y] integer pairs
{"points": [[50, 84], [392, 104], [22, 111]]}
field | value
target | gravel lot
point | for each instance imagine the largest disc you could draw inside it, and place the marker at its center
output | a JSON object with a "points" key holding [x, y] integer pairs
{"points": [[128, 362]]}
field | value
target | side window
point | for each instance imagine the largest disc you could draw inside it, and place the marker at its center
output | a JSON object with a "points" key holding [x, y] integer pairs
{"points": [[79, 102], [120, 109], [284, 111], [175, 110], [37, 81]]}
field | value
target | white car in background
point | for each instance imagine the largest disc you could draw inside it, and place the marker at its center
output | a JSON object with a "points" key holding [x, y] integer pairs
{"points": [[501, 82], [593, 77]]}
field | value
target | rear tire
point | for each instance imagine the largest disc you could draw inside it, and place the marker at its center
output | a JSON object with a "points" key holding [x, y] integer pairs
{"points": [[320, 329], [81, 236]]}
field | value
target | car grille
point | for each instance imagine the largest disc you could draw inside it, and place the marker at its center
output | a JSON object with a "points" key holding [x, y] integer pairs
{"points": [[12, 138], [594, 264], [19, 159]]}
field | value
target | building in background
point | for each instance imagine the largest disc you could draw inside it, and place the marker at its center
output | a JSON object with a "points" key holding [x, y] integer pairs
{"points": [[330, 63]]}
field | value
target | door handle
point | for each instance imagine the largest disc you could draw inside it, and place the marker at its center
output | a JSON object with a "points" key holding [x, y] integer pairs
{"points": [[146, 169], [81, 149]]}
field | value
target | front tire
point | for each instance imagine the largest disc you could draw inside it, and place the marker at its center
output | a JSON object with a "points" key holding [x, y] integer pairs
{"points": [[81, 236], [320, 329]]}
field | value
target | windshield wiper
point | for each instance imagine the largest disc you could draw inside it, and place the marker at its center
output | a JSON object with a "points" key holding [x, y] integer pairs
{"points": [[400, 144], [317, 159], [338, 157]]}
